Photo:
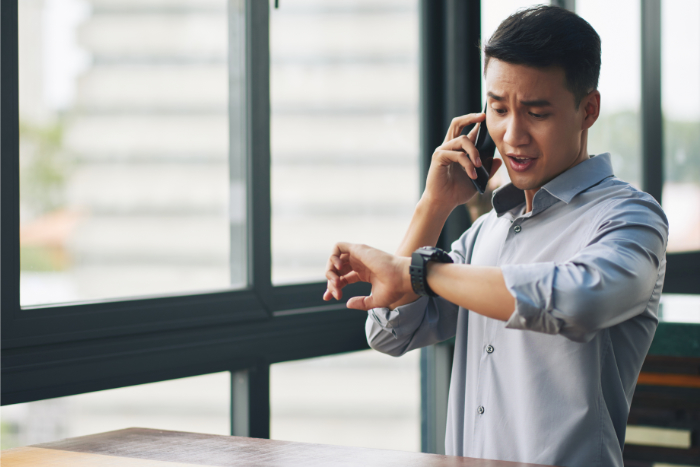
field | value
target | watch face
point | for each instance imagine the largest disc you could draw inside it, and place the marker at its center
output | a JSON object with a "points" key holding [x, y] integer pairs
{"points": [[435, 254]]}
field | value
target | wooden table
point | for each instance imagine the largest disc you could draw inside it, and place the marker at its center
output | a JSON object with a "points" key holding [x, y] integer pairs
{"points": [[141, 447]]}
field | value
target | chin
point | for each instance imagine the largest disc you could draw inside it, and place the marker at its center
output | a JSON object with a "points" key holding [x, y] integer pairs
{"points": [[522, 186], [523, 183]]}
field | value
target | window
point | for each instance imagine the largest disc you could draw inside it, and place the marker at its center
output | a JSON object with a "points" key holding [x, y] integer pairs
{"points": [[680, 100], [680, 308], [618, 129], [162, 269], [132, 181], [364, 399], [198, 404], [344, 129]]}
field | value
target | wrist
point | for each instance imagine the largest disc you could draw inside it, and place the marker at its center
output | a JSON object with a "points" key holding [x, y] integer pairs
{"points": [[403, 272], [406, 286], [421, 259]]}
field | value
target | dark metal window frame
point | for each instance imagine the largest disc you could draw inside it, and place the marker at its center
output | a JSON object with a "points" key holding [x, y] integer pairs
{"points": [[67, 349]]}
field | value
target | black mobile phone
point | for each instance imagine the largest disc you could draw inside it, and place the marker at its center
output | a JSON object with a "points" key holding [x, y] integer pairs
{"points": [[486, 147]]}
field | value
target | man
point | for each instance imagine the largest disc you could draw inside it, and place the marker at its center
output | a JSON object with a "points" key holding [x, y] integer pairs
{"points": [[553, 295]]}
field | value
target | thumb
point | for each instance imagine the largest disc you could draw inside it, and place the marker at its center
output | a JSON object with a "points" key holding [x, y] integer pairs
{"points": [[361, 303]]}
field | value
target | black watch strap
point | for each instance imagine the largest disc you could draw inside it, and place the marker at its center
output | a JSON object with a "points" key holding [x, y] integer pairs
{"points": [[418, 269]]}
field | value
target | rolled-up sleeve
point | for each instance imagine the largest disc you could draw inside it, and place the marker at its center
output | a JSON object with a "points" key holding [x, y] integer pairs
{"points": [[609, 281], [424, 322]]}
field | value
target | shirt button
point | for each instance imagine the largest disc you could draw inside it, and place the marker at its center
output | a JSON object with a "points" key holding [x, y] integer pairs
{"points": [[480, 409], [490, 349], [517, 229]]}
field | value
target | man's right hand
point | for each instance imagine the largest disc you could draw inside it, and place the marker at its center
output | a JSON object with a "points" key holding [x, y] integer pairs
{"points": [[448, 184]]}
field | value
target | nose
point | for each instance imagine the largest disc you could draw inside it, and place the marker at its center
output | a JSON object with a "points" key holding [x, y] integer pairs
{"points": [[516, 132]]}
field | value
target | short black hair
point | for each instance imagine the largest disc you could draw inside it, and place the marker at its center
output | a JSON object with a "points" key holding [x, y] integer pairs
{"points": [[543, 36]]}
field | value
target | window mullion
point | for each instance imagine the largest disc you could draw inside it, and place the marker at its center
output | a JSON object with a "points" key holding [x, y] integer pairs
{"points": [[652, 125], [9, 166], [258, 149]]}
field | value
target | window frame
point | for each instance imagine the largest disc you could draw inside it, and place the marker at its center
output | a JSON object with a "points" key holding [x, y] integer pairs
{"points": [[65, 349], [682, 268]]}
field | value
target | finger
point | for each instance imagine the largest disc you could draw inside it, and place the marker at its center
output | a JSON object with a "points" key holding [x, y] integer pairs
{"points": [[446, 157], [335, 291], [341, 260], [335, 288], [331, 271], [337, 267], [349, 278], [340, 250], [360, 303], [331, 275], [472, 134], [327, 295], [331, 290], [459, 123], [333, 282], [337, 262], [463, 143], [336, 281], [335, 273], [331, 264]]}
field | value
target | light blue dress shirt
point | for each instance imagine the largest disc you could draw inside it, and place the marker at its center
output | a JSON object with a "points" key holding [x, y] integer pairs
{"points": [[553, 384]]}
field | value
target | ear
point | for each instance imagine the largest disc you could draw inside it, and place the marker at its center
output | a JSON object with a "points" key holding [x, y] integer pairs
{"points": [[590, 106]]}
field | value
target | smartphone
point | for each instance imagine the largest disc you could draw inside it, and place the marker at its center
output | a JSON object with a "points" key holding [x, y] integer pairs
{"points": [[486, 147]]}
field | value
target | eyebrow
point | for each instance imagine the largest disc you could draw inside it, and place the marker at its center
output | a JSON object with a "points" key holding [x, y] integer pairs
{"points": [[533, 103]]}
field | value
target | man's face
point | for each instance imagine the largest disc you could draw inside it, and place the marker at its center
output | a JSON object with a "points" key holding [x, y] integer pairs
{"points": [[533, 120]]}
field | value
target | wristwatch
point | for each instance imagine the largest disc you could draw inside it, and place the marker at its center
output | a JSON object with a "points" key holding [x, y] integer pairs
{"points": [[419, 263]]}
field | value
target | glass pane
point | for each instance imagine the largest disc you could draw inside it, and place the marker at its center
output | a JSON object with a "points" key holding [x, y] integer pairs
{"points": [[200, 404], [364, 399], [679, 308], [680, 93], [618, 129], [129, 185], [344, 128]]}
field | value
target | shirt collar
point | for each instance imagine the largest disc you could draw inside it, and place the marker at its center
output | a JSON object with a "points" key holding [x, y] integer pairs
{"points": [[563, 187]]}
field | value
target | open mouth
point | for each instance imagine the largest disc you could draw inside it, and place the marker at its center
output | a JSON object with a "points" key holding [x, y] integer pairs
{"points": [[521, 164]]}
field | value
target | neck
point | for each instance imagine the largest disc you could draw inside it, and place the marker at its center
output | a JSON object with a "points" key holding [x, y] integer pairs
{"points": [[580, 157]]}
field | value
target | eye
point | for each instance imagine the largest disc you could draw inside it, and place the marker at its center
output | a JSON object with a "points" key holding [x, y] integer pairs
{"points": [[538, 115], [499, 111]]}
